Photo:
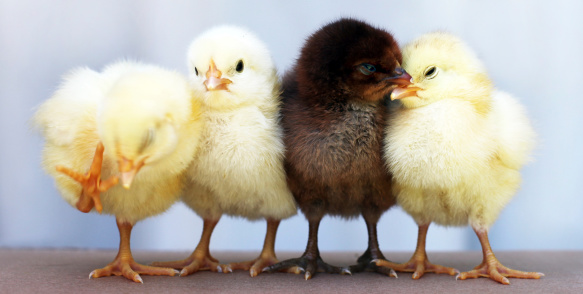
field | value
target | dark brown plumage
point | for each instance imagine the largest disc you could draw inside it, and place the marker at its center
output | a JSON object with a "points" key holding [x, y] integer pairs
{"points": [[333, 118]]}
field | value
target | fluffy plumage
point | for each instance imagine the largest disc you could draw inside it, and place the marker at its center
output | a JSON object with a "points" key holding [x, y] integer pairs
{"points": [[149, 125], [333, 118], [239, 171], [455, 146]]}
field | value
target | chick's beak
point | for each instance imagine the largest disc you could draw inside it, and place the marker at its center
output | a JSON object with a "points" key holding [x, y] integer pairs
{"points": [[403, 82], [213, 79], [402, 92], [128, 170], [400, 78]]}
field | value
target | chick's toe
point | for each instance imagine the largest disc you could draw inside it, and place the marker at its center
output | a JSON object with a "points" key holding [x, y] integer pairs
{"points": [[130, 269], [201, 258], [91, 182], [197, 261], [308, 264], [124, 264], [494, 270], [419, 263], [253, 266], [371, 262], [491, 267]]}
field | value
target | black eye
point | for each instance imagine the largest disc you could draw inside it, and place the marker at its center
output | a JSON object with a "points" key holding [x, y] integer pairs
{"points": [[367, 69], [240, 66], [196, 71], [430, 72]]}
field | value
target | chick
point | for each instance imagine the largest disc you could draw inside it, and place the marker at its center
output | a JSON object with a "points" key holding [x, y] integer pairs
{"points": [[146, 127], [333, 119], [455, 147], [239, 171]]}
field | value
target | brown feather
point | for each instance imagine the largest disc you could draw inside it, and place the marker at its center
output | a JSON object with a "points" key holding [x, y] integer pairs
{"points": [[333, 119]]}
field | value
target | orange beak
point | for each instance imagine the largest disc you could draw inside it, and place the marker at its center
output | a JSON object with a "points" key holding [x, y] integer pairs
{"points": [[213, 79], [128, 171], [402, 92]]}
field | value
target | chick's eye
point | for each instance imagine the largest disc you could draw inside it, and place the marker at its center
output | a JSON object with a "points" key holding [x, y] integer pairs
{"points": [[367, 69], [430, 72], [240, 66], [196, 71]]}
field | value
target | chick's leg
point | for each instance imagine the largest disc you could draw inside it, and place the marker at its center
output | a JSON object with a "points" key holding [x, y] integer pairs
{"points": [[267, 256], [201, 258], [419, 263], [91, 182], [124, 264], [373, 252], [310, 261], [491, 267]]}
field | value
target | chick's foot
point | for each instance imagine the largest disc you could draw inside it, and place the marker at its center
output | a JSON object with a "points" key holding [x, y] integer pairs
{"points": [[306, 264], [373, 252], [367, 262], [310, 262], [491, 267], [419, 263], [197, 261], [201, 258], [267, 256], [497, 272], [124, 264], [127, 267], [418, 266], [254, 266], [91, 182]]}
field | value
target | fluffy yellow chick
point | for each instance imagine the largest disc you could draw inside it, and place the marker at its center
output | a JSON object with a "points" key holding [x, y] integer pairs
{"points": [[146, 127], [239, 169], [455, 146]]}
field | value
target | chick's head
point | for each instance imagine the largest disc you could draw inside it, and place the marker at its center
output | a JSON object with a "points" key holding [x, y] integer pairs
{"points": [[140, 119], [352, 60], [230, 67], [442, 66]]}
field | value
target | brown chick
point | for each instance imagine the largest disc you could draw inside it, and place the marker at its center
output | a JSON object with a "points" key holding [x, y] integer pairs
{"points": [[333, 120]]}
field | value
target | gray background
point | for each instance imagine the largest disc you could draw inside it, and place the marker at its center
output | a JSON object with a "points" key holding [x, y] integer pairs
{"points": [[533, 49]]}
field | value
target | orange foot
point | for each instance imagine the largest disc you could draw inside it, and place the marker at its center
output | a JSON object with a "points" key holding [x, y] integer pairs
{"points": [[254, 266], [201, 258], [124, 264], [267, 256], [91, 182], [197, 261], [494, 270], [419, 263], [491, 267], [417, 266], [130, 269]]}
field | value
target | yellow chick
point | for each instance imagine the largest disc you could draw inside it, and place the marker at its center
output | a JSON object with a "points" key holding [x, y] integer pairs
{"points": [[455, 146], [239, 170], [146, 127]]}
